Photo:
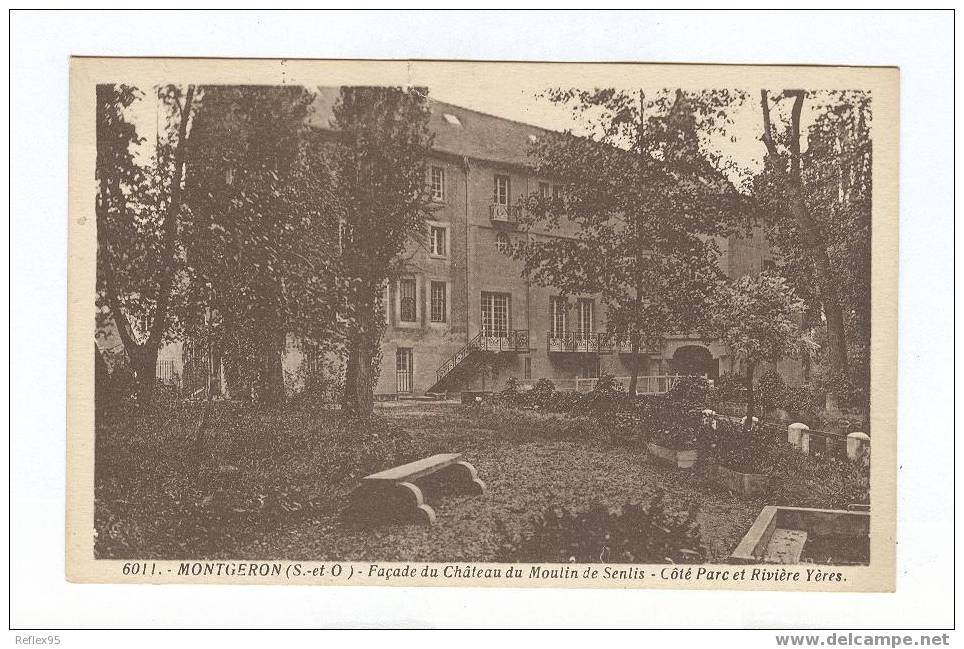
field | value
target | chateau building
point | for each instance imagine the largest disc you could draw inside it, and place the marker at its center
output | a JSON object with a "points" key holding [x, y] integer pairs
{"points": [[465, 318]]}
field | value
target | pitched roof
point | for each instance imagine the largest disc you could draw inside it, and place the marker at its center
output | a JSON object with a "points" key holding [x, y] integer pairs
{"points": [[458, 131]]}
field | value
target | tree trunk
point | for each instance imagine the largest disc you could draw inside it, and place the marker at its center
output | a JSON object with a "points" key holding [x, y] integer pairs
{"points": [[812, 240], [359, 400], [143, 356], [272, 371], [634, 370], [348, 391], [750, 405], [144, 364]]}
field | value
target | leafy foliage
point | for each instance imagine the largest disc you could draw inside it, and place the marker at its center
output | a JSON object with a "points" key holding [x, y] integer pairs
{"points": [[755, 317], [379, 159], [744, 451], [672, 425], [159, 495], [640, 162], [138, 208], [635, 533], [772, 391], [692, 390], [836, 185], [257, 245], [730, 387]]}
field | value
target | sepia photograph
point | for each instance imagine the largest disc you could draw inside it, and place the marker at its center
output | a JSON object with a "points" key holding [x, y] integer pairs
{"points": [[560, 324], [422, 319]]}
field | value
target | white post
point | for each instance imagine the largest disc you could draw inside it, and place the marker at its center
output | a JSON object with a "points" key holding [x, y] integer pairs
{"points": [[796, 434], [855, 442]]}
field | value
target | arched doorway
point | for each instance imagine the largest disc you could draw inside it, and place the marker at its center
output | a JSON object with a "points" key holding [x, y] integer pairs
{"points": [[695, 360]]}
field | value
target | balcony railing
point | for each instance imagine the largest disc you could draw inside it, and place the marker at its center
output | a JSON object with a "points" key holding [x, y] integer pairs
{"points": [[579, 342], [516, 340], [623, 344], [499, 213]]}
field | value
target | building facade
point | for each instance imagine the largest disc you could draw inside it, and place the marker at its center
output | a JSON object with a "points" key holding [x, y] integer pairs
{"points": [[465, 317]]}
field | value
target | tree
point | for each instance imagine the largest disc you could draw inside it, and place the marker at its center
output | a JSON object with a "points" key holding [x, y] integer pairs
{"points": [[259, 239], [755, 316], [381, 146], [643, 200], [138, 214], [818, 203]]}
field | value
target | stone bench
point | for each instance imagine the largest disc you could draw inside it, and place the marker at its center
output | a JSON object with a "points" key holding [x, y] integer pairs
{"points": [[397, 493]]}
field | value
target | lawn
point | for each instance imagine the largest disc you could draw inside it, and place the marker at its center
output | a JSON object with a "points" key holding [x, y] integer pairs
{"points": [[273, 486]]}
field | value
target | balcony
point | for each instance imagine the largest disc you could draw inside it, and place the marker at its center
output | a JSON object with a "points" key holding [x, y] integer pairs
{"points": [[623, 344], [577, 342], [516, 340], [508, 214]]}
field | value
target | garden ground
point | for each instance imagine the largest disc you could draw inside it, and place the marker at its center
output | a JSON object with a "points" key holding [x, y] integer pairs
{"points": [[151, 503]]}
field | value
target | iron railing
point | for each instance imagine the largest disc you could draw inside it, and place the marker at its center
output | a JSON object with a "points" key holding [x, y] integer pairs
{"points": [[579, 341], [505, 213], [592, 343], [516, 340]]}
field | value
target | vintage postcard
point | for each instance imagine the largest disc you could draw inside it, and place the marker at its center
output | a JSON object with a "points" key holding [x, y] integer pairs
{"points": [[453, 323]]}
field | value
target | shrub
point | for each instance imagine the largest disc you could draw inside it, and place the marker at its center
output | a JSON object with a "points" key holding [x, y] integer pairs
{"points": [[364, 446], [745, 452], [512, 393], [691, 390], [804, 402], [627, 429], [772, 391], [541, 393], [606, 397], [731, 387], [634, 533], [565, 402], [830, 482], [670, 424]]}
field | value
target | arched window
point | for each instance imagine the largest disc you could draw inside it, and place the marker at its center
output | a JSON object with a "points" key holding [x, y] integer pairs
{"points": [[502, 242]]}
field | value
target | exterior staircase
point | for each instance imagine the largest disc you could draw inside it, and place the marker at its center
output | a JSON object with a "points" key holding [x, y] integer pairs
{"points": [[468, 356]]}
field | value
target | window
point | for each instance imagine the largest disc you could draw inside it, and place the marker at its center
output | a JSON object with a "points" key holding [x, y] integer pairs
{"points": [[544, 190], [407, 308], [557, 314], [437, 184], [438, 241], [585, 316], [495, 314], [438, 301], [557, 192], [502, 242], [528, 368], [769, 264], [501, 190], [452, 119]]}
